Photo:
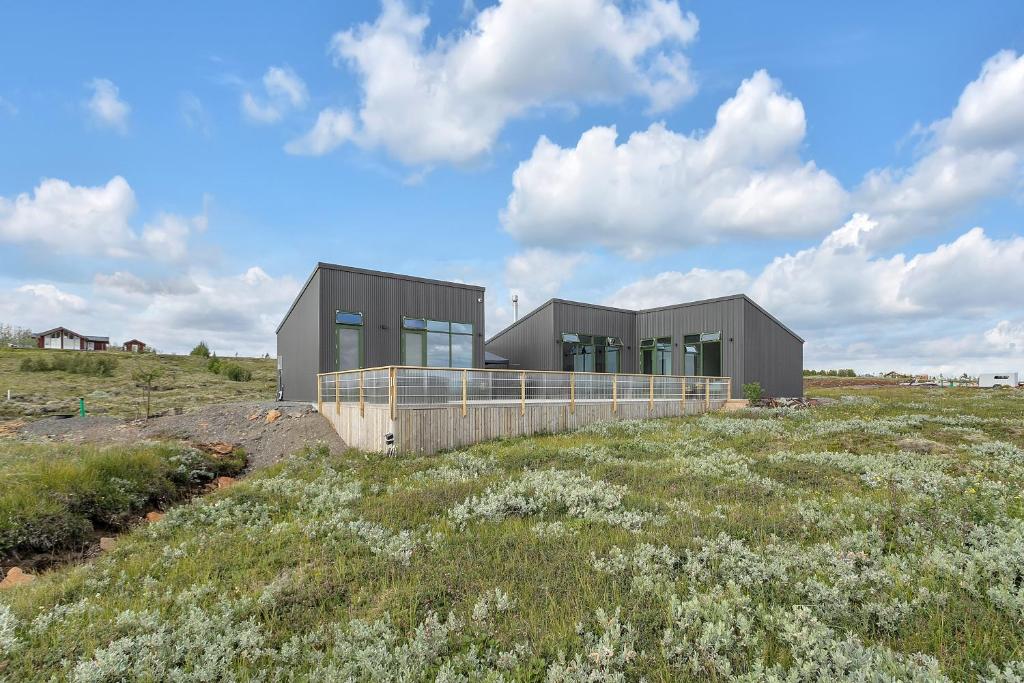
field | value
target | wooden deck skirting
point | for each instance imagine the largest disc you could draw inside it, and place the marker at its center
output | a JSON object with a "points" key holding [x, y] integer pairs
{"points": [[458, 419]]}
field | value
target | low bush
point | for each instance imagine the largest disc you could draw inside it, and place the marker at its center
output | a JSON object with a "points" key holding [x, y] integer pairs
{"points": [[232, 371], [200, 349], [52, 498], [752, 391], [74, 363]]}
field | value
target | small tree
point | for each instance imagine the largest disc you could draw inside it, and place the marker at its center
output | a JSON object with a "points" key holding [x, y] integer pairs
{"points": [[752, 391], [144, 377], [200, 349], [12, 334]]}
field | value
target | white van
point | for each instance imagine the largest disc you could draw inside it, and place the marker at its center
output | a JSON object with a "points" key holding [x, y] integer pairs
{"points": [[987, 380]]}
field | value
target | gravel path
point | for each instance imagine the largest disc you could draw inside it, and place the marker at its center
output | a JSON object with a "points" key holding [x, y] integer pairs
{"points": [[243, 424]]}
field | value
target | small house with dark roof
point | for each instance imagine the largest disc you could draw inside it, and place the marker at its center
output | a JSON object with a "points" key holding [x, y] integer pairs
{"points": [[133, 346], [63, 338]]}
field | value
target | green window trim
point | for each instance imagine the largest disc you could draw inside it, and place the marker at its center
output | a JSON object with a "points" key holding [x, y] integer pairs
{"points": [[704, 352], [590, 353], [428, 334]]}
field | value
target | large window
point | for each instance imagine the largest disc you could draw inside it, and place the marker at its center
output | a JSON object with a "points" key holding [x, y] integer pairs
{"points": [[349, 340], [437, 343], [656, 356], [590, 353], [702, 354]]}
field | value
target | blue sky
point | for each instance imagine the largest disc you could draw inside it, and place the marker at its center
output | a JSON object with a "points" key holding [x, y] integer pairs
{"points": [[166, 177]]}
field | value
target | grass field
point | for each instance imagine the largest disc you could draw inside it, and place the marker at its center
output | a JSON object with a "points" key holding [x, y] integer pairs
{"points": [[877, 538], [55, 499], [184, 382]]}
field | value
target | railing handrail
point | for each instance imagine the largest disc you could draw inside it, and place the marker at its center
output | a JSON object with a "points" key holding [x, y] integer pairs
{"points": [[518, 370]]}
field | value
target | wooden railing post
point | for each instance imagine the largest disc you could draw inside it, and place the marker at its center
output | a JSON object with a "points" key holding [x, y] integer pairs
{"points": [[362, 395], [650, 399], [615, 393], [682, 396], [707, 393], [337, 393], [522, 393], [393, 390], [728, 388], [464, 372], [319, 394], [572, 393]]}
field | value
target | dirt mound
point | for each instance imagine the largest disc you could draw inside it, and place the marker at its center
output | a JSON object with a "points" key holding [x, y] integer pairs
{"points": [[243, 424]]}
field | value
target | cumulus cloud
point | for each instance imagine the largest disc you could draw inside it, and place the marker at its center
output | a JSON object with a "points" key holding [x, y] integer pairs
{"points": [[333, 127], [974, 154], [235, 312], [669, 288], [106, 107], [743, 178], [448, 102], [49, 298], [284, 91], [841, 290], [83, 220]]}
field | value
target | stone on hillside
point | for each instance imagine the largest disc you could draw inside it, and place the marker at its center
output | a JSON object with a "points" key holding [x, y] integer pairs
{"points": [[273, 415], [154, 516], [225, 482], [15, 577]]}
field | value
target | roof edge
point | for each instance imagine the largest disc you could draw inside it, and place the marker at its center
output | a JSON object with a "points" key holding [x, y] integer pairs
{"points": [[398, 276]]}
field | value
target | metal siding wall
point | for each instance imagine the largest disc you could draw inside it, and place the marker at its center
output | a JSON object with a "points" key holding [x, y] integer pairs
{"points": [[297, 343], [713, 316], [772, 355], [529, 345], [383, 300], [572, 317]]}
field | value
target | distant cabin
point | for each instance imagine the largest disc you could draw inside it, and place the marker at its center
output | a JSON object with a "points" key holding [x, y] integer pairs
{"points": [[63, 338], [133, 346]]}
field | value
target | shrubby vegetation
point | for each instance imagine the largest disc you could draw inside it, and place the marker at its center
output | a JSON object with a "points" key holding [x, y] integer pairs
{"points": [[842, 372], [53, 497], [200, 349], [229, 369], [75, 362], [13, 334], [878, 538]]}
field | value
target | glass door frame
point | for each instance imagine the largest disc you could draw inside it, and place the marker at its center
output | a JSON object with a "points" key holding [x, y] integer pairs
{"points": [[338, 327]]}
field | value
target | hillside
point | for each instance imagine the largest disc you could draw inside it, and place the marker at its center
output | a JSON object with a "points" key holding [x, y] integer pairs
{"points": [[184, 382], [878, 537]]}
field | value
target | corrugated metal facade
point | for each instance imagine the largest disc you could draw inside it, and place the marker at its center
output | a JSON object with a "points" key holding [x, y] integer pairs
{"points": [[601, 321], [714, 315], [297, 344], [383, 299], [772, 355], [755, 346], [529, 343]]}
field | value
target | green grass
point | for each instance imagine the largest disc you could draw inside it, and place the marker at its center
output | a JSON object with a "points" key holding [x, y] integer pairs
{"points": [[184, 382], [765, 545], [53, 498]]}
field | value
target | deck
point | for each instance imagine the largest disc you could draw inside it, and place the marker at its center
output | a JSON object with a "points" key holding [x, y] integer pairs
{"points": [[435, 409]]}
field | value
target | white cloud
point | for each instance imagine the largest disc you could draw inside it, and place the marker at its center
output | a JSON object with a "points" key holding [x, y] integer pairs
{"points": [[194, 113], [8, 107], [449, 101], [973, 155], [72, 219], [52, 300], [1006, 336], [534, 275], [672, 288], [333, 127], [861, 309], [106, 107], [284, 91], [744, 178]]}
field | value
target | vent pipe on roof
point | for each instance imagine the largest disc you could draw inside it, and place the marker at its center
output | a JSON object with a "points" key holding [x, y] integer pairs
{"points": [[515, 306]]}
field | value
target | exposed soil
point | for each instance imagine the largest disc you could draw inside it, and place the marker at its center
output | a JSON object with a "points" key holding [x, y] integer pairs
{"points": [[241, 424]]}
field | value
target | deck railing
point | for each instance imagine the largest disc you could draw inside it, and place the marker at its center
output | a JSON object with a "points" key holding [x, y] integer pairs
{"points": [[401, 387]]}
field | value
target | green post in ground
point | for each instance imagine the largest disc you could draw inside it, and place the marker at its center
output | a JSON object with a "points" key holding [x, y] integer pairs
{"points": [[81, 407]]}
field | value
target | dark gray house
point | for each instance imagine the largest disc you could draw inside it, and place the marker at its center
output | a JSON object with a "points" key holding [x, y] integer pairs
{"points": [[728, 336], [347, 318]]}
